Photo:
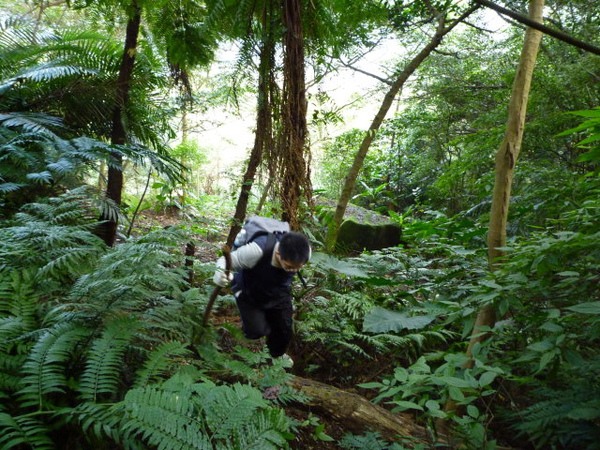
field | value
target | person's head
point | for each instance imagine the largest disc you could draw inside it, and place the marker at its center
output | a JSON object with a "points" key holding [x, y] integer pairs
{"points": [[293, 251]]}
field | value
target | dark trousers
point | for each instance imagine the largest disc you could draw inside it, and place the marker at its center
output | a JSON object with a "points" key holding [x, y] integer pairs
{"points": [[272, 319]]}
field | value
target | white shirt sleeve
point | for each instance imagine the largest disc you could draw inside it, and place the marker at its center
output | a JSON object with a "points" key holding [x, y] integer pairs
{"points": [[246, 256]]}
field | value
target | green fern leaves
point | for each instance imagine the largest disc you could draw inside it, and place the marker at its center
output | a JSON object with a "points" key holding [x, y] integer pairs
{"points": [[164, 419], [20, 431], [103, 367], [44, 370], [95, 338], [203, 416]]}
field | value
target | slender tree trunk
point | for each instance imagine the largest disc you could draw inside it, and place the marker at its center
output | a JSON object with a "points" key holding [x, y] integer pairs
{"points": [[101, 172], [506, 158], [359, 158], [185, 132], [114, 188], [294, 167], [264, 122], [264, 195], [508, 153]]}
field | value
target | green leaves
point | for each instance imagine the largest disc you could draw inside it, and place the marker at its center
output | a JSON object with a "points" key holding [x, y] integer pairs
{"points": [[592, 308], [327, 262], [592, 128], [381, 320], [104, 363], [18, 431], [44, 369], [202, 416]]}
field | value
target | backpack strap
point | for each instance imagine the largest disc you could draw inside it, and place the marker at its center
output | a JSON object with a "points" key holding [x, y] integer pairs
{"points": [[270, 245]]}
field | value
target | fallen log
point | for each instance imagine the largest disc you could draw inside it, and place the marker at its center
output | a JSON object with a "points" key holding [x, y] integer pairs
{"points": [[356, 414]]}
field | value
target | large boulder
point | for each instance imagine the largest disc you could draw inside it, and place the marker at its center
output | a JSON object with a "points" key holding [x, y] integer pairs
{"points": [[357, 236]]}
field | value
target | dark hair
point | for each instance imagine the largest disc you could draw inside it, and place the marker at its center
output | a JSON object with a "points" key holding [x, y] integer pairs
{"points": [[294, 247]]}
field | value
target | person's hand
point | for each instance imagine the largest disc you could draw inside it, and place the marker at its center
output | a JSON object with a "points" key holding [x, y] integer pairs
{"points": [[221, 278]]}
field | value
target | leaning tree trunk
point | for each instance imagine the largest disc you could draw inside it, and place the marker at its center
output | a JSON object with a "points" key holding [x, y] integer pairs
{"points": [[359, 158], [295, 179], [358, 415], [114, 187], [506, 158], [264, 121]]}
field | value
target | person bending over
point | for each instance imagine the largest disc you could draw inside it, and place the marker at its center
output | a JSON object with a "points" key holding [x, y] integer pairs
{"points": [[264, 270]]}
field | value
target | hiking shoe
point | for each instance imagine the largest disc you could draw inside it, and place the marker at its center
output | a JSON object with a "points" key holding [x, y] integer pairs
{"points": [[286, 361]]}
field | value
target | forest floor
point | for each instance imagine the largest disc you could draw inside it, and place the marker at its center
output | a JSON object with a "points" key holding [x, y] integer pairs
{"points": [[328, 371]]}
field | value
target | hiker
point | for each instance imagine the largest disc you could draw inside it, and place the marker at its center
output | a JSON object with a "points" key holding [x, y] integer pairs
{"points": [[264, 268]]}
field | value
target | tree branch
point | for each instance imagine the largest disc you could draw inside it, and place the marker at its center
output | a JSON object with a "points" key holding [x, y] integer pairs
{"points": [[541, 27], [364, 72]]}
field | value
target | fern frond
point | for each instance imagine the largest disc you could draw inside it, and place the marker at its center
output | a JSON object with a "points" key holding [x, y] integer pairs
{"points": [[165, 419], [159, 362], [22, 430], [19, 296], [137, 277], [264, 432], [10, 377], [70, 260], [44, 370], [62, 166], [53, 236], [164, 318], [34, 123], [52, 71], [101, 420], [105, 359], [44, 177], [10, 187], [354, 348], [226, 408]]}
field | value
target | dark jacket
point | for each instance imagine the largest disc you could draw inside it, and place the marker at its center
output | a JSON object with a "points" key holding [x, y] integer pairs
{"points": [[264, 282]]}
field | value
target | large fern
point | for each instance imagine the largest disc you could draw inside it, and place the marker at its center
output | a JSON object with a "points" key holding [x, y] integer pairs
{"points": [[44, 370], [24, 430], [19, 315], [203, 416], [103, 366], [43, 236], [88, 345], [566, 414], [159, 362]]}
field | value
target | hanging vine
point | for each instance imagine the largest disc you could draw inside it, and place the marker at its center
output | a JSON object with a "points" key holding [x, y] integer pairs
{"points": [[294, 171]]}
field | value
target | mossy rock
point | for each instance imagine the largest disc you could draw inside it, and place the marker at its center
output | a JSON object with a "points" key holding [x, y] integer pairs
{"points": [[356, 236]]}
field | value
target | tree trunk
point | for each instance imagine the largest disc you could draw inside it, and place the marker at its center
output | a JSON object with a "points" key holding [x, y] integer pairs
{"points": [[185, 133], [295, 173], [359, 158], [114, 187], [508, 153], [264, 122], [356, 414], [506, 158]]}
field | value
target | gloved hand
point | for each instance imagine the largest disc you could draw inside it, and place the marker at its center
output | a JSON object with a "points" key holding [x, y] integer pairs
{"points": [[221, 278]]}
